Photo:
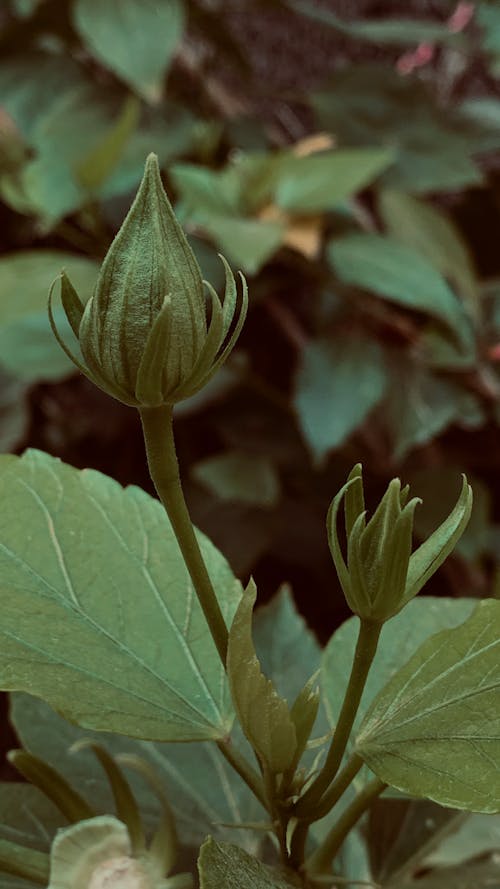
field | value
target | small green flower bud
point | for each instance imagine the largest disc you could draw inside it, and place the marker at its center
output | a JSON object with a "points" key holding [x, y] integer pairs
{"points": [[381, 574], [144, 335]]}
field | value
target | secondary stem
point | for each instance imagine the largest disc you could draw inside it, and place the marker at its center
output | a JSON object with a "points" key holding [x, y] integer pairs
{"points": [[326, 852], [249, 775], [325, 805], [366, 647], [164, 470]]}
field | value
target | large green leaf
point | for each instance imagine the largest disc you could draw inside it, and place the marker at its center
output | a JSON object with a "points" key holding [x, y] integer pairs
{"points": [[329, 373], [224, 866], [399, 639], [206, 795], [95, 593], [28, 349], [434, 729], [136, 39], [319, 182], [396, 272]]}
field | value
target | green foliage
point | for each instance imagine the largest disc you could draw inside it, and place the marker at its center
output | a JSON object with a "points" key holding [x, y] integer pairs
{"points": [[445, 698], [352, 177], [222, 865], [328, 373], [126, 685], [137, 43], [273, 735], [27, 346]]}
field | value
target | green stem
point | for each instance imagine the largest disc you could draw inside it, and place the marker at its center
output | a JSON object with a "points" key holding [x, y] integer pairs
{"points": [[164, 470], [324, 855], [338, 787], [276, 811], [325, 805], [249, 775], [366, 647]]}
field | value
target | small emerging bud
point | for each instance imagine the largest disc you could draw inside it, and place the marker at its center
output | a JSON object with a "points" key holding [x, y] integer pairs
{"points": [[144, 335], [381, 574]]}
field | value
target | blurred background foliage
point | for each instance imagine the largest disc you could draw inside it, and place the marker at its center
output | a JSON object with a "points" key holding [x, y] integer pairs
{"points": [[344, 156]]}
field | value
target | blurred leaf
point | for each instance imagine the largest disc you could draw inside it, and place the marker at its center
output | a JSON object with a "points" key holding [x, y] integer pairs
{"points": [[434, 729], [488, 18], [101, 160], [483, 113], [437, 486], [396, 272], [106, 642], [385, 32], [29, 819], [287, 649], [27, 816], [28, 349], [206, 192], [74, 129], [137, 39], [368, 105], [319, 182], [14, 411], [400, 638], [65, 118], [427, 230], [476, 835], [224, 866], [247, 243], [235, 475], [481, 875], [33, 83], [400, 832], [420, 405], [25, 8], [330, 372]]}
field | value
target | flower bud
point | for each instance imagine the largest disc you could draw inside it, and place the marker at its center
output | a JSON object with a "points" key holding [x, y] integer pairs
{"points": [[144, 335], [381, 574]]}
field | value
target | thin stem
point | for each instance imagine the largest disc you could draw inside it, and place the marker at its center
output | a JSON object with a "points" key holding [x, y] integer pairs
{"points": [[164, 470], [366, 647], [276, 812], [325, 805], [344, 778], [249, 775], [324, 855]]}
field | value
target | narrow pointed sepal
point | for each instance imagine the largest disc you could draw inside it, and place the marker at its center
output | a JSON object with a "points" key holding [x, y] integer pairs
{"points": [[431, 554], [52, 784]]}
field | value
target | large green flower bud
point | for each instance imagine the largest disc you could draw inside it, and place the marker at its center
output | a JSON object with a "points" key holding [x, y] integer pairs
{"points": [[381, 573], [144, 334]]}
